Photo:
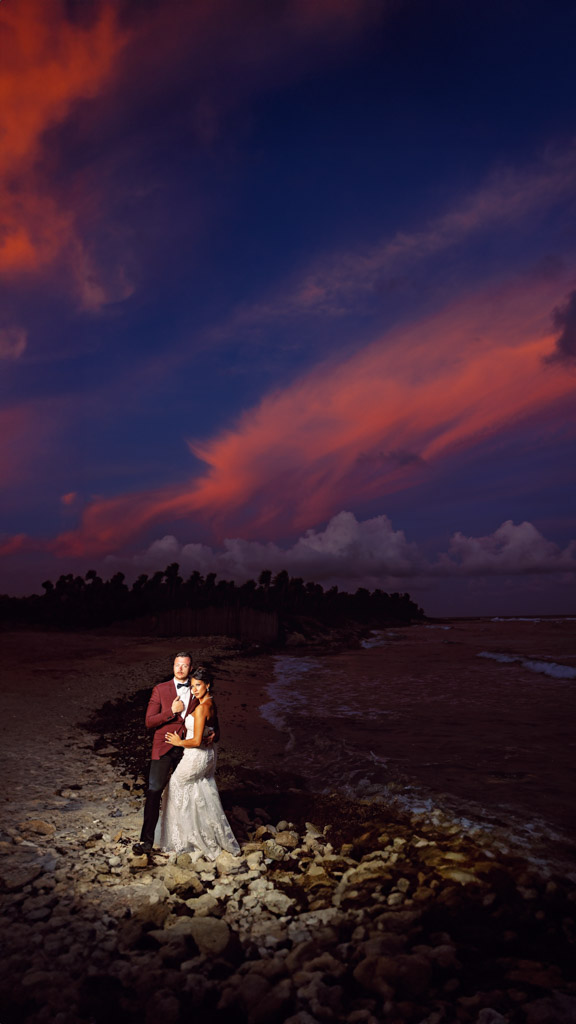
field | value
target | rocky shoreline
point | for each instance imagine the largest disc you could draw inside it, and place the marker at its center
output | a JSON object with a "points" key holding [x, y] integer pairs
{"points": [[333, 912], [356, 916]]}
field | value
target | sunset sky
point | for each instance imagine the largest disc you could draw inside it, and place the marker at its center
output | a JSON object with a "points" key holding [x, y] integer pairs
{"points": [[291, 284]]}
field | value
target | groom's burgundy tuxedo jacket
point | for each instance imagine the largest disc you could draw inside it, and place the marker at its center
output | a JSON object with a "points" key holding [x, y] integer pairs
{"points": [[159, 716]]}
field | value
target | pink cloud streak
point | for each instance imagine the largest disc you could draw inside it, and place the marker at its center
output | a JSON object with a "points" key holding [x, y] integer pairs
{"points": [[336, 282], [360, 429]]}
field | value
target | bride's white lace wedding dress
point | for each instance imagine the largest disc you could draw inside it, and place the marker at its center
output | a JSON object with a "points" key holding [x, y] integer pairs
{"points": [[192, 817]]}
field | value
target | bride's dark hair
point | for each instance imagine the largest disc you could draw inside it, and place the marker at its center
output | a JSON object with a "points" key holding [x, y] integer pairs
{"points": [[204, 674]]}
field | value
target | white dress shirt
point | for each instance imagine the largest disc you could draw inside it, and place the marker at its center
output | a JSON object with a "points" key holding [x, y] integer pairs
{"points": [[183, 694]]}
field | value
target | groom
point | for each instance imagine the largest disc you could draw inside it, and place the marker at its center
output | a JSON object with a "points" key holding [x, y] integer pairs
{"points": [[168, 706]]}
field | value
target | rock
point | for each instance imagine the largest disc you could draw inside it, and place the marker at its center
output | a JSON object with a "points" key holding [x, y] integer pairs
{"points": [[316, 877], [147, 902], [272, 969], [459, 875], [455, 855], [138, 862], [398, 921], [264, 831], [408, 976], [365, 876], [163, 1006], [19, 870], [182, 881], [321, 997], [245, 992], [273, 850], [327, 964], [367, 974], [445, 956], [287, 839], [384, 944], [211, 935], [38, 827], [225, 889], [204, 906], [301, 1018], [196, 985], [274, 1005], [277, 902], [422, 894], [184, 860], [258, 885], [228, 864], [300, 954], [313, 831], [559, 1008], [395, 899]]}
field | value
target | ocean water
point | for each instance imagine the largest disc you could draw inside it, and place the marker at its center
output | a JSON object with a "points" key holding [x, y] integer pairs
{"points": [[472, 718]]}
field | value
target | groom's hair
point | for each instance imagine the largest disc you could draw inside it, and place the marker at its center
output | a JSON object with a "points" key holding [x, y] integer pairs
{"points": [[184, 654]]}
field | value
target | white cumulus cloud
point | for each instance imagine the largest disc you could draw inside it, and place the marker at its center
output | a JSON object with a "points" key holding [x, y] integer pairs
{"points": [[512, 549], [352, 552]]}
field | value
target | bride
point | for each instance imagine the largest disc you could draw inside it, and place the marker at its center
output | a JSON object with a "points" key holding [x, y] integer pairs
{"points": [[192, 817]]}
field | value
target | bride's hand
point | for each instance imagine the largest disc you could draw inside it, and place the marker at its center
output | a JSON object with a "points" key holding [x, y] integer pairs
{"points": [[173, 738]]}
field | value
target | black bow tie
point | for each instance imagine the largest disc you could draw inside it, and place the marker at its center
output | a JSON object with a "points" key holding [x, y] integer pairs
{"points": [[185, 685]]}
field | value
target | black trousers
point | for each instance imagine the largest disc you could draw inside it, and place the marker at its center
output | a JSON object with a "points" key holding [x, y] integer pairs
{"points": [[160, 772]]}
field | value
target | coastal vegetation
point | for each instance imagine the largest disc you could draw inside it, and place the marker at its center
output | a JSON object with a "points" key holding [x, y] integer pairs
{"points": [[278, 604]]}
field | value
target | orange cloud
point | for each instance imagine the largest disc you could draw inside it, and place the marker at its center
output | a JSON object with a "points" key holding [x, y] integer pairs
{"points": [[51, 63], [13, 544], [48, 65], [360, 429]]}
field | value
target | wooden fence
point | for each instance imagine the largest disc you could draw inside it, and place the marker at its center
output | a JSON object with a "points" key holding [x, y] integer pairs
{"points": [[242, 623]]}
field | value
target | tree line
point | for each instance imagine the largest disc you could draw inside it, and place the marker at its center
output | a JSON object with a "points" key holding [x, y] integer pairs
{"points": [[88, 601]]}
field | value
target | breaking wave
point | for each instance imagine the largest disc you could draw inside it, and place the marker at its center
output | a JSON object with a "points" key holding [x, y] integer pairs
{"points": [[545, 668]]}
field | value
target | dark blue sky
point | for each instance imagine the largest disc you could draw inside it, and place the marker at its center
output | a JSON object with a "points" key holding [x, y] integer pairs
{"points": [[264, 263]]}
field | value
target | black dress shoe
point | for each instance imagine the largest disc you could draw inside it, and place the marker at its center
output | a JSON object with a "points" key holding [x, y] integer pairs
{"points": [[139, 848]]}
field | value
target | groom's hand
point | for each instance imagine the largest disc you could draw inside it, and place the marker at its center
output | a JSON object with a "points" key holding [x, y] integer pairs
{"points": [[177, 706]]}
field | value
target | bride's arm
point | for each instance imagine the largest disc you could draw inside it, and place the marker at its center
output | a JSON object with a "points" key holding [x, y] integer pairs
{"points": [[200, 714], [214, 737]]}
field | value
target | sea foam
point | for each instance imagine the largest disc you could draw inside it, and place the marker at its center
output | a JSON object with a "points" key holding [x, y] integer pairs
{"points": [[545, 668], [285, 700], [525, 618]]}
